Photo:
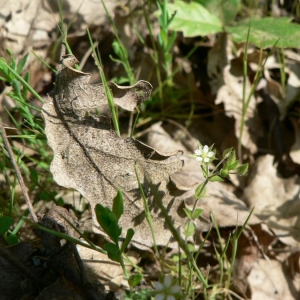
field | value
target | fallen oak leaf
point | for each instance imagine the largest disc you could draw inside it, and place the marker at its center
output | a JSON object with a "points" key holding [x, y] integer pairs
{"points": [[79, 97], [90, 157]]}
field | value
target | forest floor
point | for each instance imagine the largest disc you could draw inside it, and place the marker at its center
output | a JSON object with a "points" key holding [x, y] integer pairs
{"points": [[202, 98]]}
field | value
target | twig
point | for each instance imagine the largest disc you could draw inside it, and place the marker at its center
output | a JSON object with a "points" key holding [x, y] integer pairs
{"points": [[17, 170], [86, 56]]}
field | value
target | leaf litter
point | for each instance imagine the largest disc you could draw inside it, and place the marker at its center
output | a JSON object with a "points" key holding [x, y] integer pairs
{"points": [[90, 157], [270, 142]]}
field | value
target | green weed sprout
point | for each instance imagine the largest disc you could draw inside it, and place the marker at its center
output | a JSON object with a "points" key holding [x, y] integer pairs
{"points": [[119, 49], [166, 40], [5, 223], [107, 90], [227, 166], [30, 131], [205, 155], [108, 220]]}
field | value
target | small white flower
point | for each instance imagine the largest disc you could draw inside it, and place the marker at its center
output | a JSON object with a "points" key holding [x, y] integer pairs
{"points": [[204, 155], [168, 290]]}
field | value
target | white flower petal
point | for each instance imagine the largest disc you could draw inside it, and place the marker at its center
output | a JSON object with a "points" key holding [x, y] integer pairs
{"points": [[158, 286], [199, 158], [210, 154], [168, 281], [159, 297], [206, 160], [205, 149], [198, 152]]}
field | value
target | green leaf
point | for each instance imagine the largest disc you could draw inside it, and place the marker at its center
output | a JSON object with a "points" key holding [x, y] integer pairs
{"points": [[171, 41], [128, 238], [227, 152], [5, 223], [189, 229], [135, 279], [267, 31], [22, 63], [188, 213], [13, 62], [25, 89], [197, 212], [113, 251], [224, 173], [118, 205], [242, 169], [225, 10], [233, 165], [216, 178], [200, 191], [232, 159], [228, 10], [108, 221], [193, 19], [12, 239]]}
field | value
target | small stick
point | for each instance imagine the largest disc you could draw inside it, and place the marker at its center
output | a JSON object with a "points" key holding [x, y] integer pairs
{"points": [[17, 170]]}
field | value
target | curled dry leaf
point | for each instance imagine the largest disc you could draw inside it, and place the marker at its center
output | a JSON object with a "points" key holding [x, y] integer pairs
{"points": [[276, 200], [90, 157], [228, 86]]}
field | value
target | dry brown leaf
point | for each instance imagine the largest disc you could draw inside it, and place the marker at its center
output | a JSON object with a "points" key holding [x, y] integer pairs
{"points": [[228, 210], [231, 94], [269, 281], [93, 159], [26, 26], [218, 58], [102, 269], [276, 200], [228, 85], [282, 96]]}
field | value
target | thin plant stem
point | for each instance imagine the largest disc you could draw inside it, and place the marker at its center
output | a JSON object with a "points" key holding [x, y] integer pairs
{"points": [[155, 57], [107, 90], [25, 84], [214, 173], [235, 240], [183, 245], [18, 173], [125, 63], [257, 77], [281, 59], [147, 212]]}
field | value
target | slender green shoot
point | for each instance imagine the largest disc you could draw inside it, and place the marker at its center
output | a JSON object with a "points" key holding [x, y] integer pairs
{"points": [[20, 79], [281, 59], [183, 245], [147, 212], [235, 238], [120, 50], [246, 100], [107, 90], [166, 41], [71, 239]]}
